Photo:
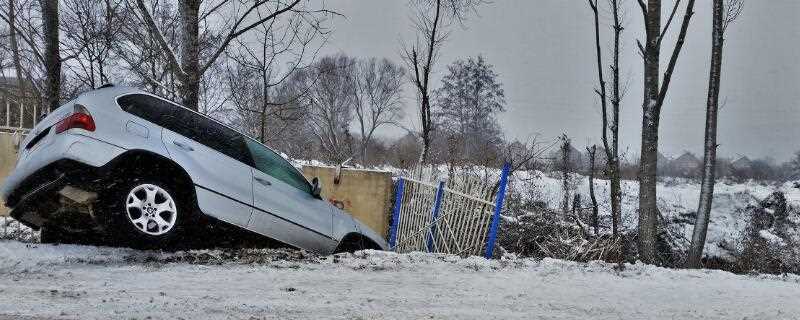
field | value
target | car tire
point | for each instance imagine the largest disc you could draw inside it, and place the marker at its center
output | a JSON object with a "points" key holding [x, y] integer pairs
{"points": [[54, 235], [147, 213], [355, 243]]}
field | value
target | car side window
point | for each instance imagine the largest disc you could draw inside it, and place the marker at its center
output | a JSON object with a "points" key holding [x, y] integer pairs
{"points": [[149, 108], [276, 166], [188, 124], [212, 135]]}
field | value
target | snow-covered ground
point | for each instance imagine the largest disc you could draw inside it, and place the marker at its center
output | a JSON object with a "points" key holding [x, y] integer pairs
{"points": [[677, 201], [77, 282]]}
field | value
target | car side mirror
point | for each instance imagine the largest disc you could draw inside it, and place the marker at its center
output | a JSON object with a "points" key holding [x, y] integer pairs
{"points": [[316, 189]]}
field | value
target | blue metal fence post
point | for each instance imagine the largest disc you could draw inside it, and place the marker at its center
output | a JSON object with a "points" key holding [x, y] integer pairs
{"points": [[398, 203], [436, 205], [498, 206]]}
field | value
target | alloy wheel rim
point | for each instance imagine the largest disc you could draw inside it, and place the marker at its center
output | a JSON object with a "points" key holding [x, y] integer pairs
{"points": [[151, 209]]}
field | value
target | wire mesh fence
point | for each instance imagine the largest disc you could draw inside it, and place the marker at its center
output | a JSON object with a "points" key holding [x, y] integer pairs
{"points": [[457, 217]]}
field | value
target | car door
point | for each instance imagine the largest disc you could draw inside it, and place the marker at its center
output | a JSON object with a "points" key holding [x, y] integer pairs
{"points": [[286, 209], [218, 162]]}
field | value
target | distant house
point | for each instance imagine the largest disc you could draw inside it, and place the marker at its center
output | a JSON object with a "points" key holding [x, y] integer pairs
{"points": [[600, 160], [18, 108], [687, 164], [576, 160], [742, 164], [663, 162]]}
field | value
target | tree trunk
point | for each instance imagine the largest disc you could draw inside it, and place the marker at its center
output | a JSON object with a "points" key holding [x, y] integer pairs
{"points": [[190, 52], [648, 212], [595, 217], [612, 156], [611, 149], [710, 154], [426, 137], [654, 95], [262, 132], [52, 57], [566, 148]]}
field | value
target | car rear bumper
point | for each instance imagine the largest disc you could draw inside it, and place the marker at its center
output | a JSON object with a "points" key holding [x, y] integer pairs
{"points": [[62, 152], [36, 198]]}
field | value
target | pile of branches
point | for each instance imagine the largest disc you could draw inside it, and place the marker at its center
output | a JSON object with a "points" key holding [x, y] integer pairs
{"points": [[543, 232], [771, 241]]}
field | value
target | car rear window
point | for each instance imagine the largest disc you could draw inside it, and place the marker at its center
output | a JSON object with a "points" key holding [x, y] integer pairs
{"points": [[149, 108], [188, 124]]}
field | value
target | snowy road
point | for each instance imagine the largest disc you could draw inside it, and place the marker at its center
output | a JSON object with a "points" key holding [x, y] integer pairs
{"points": [[75, 282]]}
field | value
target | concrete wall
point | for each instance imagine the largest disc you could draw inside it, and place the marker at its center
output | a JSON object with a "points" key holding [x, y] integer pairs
{"points": [[8, 157], [365, 194]]}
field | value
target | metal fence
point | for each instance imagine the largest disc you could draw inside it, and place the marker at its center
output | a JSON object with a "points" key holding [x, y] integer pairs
{"points": [[17, 116], [461, 218]]}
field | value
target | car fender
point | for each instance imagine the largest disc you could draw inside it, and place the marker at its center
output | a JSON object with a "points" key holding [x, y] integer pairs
{"points": [[344, 224]]}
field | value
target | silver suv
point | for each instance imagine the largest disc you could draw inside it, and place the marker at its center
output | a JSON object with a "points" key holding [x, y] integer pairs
{"points": [[148, 172]]}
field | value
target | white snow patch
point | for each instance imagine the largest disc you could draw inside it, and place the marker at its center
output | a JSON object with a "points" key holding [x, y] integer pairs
{"points": [[45, 281], [771, 237]]}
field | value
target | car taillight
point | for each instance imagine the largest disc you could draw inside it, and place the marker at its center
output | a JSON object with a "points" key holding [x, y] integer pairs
{"points": [[80, 119]]}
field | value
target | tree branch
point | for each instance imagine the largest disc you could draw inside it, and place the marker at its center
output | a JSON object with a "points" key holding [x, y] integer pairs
{"points": [[235, 31], [171, 57], [675, 53]]}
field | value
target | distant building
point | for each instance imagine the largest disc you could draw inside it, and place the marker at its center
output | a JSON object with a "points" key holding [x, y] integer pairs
{"points": [[742, 164], [576, 161], [663, 162], [687, 164]]}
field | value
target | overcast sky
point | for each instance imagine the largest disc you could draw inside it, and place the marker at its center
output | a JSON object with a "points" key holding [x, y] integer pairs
{"points": [[543, 52]]}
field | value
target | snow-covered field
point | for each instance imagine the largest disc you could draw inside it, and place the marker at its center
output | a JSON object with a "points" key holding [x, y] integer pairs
{"points": [[77, 282], [677, 201]]}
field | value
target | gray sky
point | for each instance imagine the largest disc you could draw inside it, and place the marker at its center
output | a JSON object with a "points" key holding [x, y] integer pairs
{"points": [[543, 51]]}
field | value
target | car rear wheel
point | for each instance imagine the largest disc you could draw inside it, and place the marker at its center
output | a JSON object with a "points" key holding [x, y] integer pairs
{"points": [[151, 209], [147, 213], [53, 234]]}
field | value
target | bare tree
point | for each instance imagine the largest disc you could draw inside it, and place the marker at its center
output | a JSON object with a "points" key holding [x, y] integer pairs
{"points": [[377, 97], [283, 48], [188, 69], [433, 17], [654, 94], [723, 13], [14, 44], [612, 151], [592, 152], [140, 51], [24, 20], [88, 28], [610, 126], [565, 151], [330, 104]]}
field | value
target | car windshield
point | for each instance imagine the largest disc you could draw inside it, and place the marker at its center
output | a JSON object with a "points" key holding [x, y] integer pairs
{"points": [[269, 162]]}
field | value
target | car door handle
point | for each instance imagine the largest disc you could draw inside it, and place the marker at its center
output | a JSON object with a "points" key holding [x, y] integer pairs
{"points": [[183, 145], [263, 181]]}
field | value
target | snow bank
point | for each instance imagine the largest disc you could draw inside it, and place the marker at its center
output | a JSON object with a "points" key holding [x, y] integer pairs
{"points": [[45, 281]]}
